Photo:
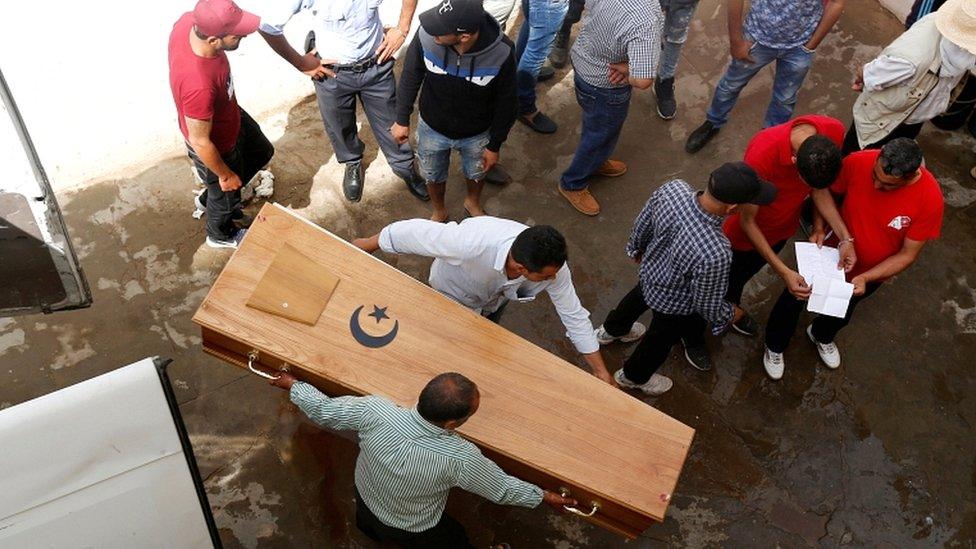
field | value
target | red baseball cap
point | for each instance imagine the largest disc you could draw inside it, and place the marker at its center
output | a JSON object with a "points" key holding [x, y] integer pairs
{"points": [[222, 18]]}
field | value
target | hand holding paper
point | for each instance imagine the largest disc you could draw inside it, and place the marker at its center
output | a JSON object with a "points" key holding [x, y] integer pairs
{"points": [[830, 292]]}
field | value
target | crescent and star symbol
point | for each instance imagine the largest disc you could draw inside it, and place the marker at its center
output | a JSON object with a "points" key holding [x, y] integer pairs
{"points": [[366, 340]]}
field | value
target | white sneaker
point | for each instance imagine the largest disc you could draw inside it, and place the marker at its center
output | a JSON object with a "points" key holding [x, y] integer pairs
{"points": [[199, 208], [657, 385], [233, 242], [829, 353], [636, 332], [774, 364]]}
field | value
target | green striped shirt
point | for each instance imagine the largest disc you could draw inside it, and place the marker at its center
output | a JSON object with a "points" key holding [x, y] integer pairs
{"points": [[406, 465]]}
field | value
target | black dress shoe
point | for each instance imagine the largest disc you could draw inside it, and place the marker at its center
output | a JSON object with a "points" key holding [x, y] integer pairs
{"points": [[352, 183], [497, 175], [416, 184], [700, 137]]}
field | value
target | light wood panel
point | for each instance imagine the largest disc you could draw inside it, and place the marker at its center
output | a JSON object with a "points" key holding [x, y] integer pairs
{"points": [[554, 422]]}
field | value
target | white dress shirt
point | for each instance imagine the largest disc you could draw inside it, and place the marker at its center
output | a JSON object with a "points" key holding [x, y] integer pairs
{"points": [[345, 30], [469, 267], [887, 71]]}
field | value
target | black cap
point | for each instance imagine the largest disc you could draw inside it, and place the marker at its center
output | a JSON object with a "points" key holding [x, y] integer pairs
{"points": [[453, 17], [737, 183]]}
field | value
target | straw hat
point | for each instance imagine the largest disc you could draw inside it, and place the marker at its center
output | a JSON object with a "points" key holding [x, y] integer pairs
{"points": [[956, 20]]}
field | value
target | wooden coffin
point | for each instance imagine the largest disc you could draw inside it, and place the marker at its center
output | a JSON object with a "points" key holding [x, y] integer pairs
{"points": [[384, 333]]}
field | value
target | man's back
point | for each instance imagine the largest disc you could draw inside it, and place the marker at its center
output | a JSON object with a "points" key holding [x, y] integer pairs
{"points": [[682, 245]]}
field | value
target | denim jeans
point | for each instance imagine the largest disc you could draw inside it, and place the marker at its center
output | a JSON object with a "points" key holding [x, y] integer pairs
{"points": [[791, 68], [604, 112], [677, 19], [434, 153], [543, 19]]}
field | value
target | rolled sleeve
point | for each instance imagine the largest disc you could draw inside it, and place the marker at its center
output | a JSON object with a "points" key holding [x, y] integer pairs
{"points": [[574, 316], [277, 14], [644, 47], [886, 71]]}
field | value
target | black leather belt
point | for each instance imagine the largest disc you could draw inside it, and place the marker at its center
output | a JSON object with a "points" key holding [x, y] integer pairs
{"points": [[359, 66]]}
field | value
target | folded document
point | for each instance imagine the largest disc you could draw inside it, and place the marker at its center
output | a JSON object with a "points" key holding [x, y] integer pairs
{"points": [[831, 294]]}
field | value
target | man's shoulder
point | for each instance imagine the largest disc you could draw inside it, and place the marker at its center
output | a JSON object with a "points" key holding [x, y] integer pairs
{"points": [[674, 188]]}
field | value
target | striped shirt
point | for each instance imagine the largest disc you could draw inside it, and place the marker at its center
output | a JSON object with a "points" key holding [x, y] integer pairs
{"points": [[686, 257], [616, 31], [406, 465]]}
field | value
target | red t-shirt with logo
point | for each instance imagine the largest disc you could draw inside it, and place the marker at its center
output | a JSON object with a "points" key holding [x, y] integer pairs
{"points": [[202, 87], [770, 153], [880, 221]]}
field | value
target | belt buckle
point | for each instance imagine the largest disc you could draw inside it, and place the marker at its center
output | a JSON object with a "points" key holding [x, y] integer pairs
{"points": [[360, 66]]}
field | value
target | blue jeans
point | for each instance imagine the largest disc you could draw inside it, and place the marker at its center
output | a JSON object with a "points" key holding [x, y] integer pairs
{"points": [[677, 19], [434, 153], [604, 112], [791, 68], [543, 19]]}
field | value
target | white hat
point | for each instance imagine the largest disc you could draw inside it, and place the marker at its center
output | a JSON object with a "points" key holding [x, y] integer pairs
{"points": [[956, 20]]}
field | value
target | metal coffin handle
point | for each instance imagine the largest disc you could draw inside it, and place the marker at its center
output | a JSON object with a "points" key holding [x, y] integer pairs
{"points": [[564, 492], [251, 357]]}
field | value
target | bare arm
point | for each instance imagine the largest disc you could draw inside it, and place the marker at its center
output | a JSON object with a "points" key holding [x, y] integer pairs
{"points": [[827, 209], [598, 367], [794, 281], [832, 12], [369, 244], [394, 37], [891, 266], [308, 63], [738, 46], [199, 139]]}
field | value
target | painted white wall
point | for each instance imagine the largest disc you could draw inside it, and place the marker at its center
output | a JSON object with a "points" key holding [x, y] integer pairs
{"points": [[91, 80]]}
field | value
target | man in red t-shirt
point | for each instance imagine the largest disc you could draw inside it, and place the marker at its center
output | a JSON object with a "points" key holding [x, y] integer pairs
{"points": [[224, 142], [801, 158], [892, 206]]}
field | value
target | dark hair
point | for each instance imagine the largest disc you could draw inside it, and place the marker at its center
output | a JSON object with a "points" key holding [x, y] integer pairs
{"points": [[900, 157], [447, 397], [539, 247], [818, 161]]}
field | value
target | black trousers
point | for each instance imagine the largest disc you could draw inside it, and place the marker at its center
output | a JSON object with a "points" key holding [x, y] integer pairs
{"points": [[745, 265], [851, 143], [664, 331], [252, 152], [447, 534], [786, 314], [573, 15]]}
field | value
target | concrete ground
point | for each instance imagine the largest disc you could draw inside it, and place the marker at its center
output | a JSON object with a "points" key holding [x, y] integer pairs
{"points": [[879, 452]]}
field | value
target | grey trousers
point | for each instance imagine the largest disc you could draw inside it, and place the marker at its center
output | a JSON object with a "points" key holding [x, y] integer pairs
{"points": [[376, 89]]}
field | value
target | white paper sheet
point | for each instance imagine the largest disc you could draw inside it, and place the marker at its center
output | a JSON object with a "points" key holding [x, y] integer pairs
{"points": [[831, 294], [812, 261]]}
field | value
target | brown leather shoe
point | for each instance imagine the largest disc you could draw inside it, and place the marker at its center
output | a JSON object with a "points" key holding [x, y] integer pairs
{"points": [[583, 201], [611, 168]]}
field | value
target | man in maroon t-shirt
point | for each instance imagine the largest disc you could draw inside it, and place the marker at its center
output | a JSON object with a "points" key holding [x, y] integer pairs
{"points": [[893, 206], [224, 142]]}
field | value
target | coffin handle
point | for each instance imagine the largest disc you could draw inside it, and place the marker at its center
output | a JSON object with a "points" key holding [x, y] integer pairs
{"points": [[596, 506], [251, 357]]}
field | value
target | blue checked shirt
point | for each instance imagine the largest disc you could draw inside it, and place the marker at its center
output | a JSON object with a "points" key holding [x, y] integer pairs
{"points": [[685, 266], [406, 465]]}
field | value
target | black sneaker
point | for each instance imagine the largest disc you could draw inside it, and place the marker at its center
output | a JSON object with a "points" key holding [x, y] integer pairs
{"points": [[666, 105], [700, 137], [746, 326], [698, 357]]}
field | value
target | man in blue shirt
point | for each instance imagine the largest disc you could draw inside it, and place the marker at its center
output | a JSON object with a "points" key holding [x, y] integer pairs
{"points": [[785, 31], [353, 58]]}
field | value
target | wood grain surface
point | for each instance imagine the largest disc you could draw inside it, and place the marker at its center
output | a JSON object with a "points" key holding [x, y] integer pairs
{"points": [[294, 286], [560, 423]]}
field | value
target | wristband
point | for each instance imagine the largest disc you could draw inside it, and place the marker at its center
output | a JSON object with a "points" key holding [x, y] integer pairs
{"points": [[846, 241]]}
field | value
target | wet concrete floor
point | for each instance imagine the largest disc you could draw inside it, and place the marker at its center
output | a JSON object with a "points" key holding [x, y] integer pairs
{"points": [[878, 453]]}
